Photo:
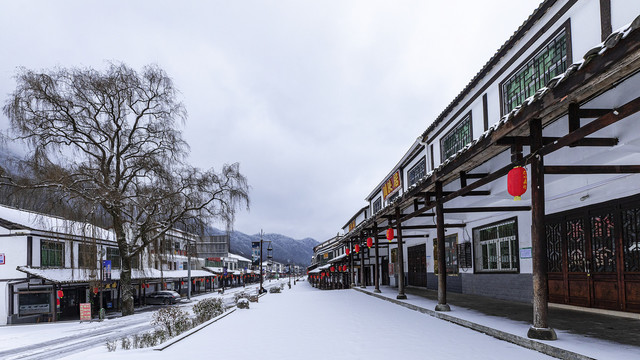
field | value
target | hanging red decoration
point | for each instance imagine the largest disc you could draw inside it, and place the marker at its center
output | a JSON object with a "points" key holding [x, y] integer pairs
{"points": [[58, 302], [333, 269], [517, 182], [95, 290], [181, 282], [346, 251], [389, 234], [357, 248], [369, 242], [60, 293]]}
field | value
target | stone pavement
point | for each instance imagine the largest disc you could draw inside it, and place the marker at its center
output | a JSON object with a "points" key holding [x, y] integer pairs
{"points": [[579, 332]]}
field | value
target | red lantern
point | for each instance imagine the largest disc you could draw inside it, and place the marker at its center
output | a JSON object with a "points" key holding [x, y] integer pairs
{"points": [[357, 248], [346, 251], [95, 290], [60, 294], [389, 234], [369, 242], [333, 269], [181, 282], [58, 302], [517, 182]]}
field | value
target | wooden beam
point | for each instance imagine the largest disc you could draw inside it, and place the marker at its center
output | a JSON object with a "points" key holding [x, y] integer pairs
{"points": [[524, 140], [487, 209], [470, 193], [426, 227], [603, 121], [425, 236], [593, 113], [592, 169]]}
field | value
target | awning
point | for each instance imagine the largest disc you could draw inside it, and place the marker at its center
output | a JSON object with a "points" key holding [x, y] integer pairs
{"points": [[68, 276], [338, 258]]}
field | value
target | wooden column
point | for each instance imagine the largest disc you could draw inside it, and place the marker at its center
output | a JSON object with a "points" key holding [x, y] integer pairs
{"points": [[540, 329], [401, 294], [442, 263], [362, 282], [376, 267], [351, 255]]}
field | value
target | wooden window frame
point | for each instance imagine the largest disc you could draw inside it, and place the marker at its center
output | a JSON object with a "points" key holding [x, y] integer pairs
{"points": [[477, 251], [61, 244], [454, 131]]}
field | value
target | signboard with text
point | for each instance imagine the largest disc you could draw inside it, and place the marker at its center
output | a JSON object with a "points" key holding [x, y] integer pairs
{"points": [[391, 185], [106, 266], [85, 311], [2, 259]]}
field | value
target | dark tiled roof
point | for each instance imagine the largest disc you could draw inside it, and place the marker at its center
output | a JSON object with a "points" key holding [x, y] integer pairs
{"points": [[11, 225]]}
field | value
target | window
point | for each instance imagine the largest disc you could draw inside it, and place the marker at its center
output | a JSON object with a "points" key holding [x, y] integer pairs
{"points": [[113, 254], [377, 205], [450, 254], [51, 254], [87, 256], [547, 63], [496, 247], [456, 139], [417, 172]]}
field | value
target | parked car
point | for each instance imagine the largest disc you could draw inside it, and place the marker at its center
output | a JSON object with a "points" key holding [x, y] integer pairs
{"points": [[164, 297]]}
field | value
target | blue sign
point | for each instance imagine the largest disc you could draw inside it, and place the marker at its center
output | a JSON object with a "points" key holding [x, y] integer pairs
{"points": [[106, 265], [255, 252], [225, 271]]}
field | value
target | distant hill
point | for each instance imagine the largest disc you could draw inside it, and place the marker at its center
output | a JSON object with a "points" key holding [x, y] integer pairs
{"points": [[285, 249]]}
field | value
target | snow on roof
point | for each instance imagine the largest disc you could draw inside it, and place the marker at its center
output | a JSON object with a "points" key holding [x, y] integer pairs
{"points": [[62, 276], [214, 269], [18, 219], [337, 258], [235, 256]]}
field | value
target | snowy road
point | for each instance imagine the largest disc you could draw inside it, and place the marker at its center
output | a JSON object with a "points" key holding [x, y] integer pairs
{"points": [[306, 323], [56, 340]]}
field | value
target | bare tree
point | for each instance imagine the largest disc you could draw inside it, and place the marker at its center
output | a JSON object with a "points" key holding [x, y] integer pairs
{"points": [[110, 139]]}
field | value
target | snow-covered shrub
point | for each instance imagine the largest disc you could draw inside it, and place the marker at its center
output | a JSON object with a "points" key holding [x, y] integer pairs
{"points": [[125, 343], [242, 303], [207, 309], [173, 320], [112, 345], [274, 290], [240, 295]]}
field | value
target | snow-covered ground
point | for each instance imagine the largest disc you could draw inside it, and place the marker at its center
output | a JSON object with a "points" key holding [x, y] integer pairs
{"points": [[303, 323], [306, 323], [55, 340]]}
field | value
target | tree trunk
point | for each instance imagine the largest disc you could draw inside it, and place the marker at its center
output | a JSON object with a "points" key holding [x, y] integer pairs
{"points": [[126, 288]]}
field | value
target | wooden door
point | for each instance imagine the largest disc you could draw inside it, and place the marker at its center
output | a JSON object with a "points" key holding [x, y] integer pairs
{"points": [[417, 264]]}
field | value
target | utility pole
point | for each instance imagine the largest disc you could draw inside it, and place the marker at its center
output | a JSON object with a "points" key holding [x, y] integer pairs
{"points": [[188, 271], [261, 288]]}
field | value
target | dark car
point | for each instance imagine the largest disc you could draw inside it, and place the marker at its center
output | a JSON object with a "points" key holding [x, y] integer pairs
{"points": [[164, 297]]}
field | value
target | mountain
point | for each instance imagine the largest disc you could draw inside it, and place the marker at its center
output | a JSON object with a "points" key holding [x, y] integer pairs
{"points": [[285, 249]]}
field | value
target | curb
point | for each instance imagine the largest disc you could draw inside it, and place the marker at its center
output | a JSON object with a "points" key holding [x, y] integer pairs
{"points": [[192, 331], [498, 334]]}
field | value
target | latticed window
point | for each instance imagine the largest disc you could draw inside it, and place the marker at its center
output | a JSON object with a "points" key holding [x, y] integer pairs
{"points": [[631, 239], [603, 243], [417, 172], [113, 254], [456, 139], [554, 246], [536, 73], [497, 247], [377, 205], [87, 256], [51, 254]]}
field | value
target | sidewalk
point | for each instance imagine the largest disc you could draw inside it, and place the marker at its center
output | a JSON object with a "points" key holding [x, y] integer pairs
{"points": [[581, 335]]}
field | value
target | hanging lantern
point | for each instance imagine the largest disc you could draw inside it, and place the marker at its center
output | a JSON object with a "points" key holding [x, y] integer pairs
{"points": [[369, 242], [346, 251], [333, 269], [357, 248], [517, 182], [60, 293], [95, 290], [389, 234], [58, 302]]}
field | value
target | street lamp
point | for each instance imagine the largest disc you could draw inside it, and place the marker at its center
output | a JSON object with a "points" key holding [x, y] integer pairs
{"points": [[101, 310]]}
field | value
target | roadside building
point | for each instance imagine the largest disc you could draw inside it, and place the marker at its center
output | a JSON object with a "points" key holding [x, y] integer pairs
{"points": [[559, 100]]}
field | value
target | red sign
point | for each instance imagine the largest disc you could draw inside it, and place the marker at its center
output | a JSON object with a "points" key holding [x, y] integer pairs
{"points": [[85, 311], [391, 185]]}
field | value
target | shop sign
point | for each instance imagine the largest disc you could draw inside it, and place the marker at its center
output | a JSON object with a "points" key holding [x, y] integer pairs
{"points": [[255, 252], [525, 253], [2, 259], [392, 185], [34, 309], [352, 225], [85, 311]]}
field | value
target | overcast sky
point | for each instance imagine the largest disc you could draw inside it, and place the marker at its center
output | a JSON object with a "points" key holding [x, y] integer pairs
{"points": [[316, 100]]}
